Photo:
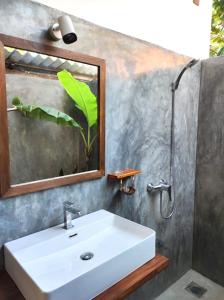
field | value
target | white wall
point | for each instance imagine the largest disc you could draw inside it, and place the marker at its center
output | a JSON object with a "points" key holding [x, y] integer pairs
{"points": [[178, 25]]}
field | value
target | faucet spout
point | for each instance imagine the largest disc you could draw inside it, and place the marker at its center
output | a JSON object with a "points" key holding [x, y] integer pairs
{"points": [[70, 212]]}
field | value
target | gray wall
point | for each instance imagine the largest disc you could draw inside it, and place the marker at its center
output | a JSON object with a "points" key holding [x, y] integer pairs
{"points": [[138, 113], [209, 200]]}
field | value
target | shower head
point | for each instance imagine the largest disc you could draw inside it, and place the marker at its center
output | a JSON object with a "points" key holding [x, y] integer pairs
{"points": [[190, 64]]}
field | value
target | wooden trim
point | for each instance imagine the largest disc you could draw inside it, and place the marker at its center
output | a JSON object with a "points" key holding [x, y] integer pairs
{"points": [[19, 43], [134, 280], [101, 126], [4, 140], [7, 190], [9, 291], [118, 175], [39, 185]]}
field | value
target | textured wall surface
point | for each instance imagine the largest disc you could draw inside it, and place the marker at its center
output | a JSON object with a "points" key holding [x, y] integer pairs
{"points": [[138, 116], [209, 205]]}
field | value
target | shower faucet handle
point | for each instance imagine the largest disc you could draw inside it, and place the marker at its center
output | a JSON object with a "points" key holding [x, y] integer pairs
{"points": [[162, 186]]}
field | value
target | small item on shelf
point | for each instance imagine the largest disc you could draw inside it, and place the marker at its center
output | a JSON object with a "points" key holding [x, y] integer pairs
{"points": [[124, 174], [130, 189]]}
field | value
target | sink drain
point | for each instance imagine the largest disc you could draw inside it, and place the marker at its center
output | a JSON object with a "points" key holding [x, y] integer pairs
{"points": [[86, 256]]}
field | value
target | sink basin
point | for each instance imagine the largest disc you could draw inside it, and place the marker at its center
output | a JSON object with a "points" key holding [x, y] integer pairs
{"points": [[47, 265]]}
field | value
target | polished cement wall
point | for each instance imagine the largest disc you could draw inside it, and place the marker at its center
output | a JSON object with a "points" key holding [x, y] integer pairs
{"points": [[138, 116], [208, 256]]}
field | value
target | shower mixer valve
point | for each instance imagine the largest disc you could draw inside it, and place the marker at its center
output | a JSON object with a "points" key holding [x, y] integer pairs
{"points": [[162, 186]]}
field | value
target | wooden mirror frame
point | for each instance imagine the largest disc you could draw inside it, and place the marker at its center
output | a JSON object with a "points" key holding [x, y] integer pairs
{"points": [[8, 190]]}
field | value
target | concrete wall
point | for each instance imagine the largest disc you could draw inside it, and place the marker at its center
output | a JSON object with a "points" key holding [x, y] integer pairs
{"points": [[177, 25], [209, 205], [138, 116]]}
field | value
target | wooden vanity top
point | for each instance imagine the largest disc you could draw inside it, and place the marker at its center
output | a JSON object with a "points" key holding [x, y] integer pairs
{"points": [[9, 291], [134, 280]]}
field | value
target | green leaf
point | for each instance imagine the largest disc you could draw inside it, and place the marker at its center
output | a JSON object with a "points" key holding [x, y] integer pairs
{"points": [[221, 52], [81, 94], [45, 113], [217, 29]]}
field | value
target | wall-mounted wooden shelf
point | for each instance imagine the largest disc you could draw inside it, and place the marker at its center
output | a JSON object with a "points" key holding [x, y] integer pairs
{"points": [[118, 175], [9, 291]]}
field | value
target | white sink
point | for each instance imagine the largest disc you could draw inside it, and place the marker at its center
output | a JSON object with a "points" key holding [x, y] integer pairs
{"points": [[47, 266]]}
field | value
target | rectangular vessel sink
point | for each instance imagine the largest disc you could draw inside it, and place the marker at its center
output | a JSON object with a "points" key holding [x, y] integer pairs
{"points": [[47, 265]]}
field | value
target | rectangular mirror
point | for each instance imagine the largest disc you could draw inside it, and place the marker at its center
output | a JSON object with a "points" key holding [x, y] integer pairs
{"points": [[52, 117]]}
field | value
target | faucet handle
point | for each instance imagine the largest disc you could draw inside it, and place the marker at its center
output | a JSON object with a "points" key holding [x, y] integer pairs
{"points": [[71, 207], [69, 210]]}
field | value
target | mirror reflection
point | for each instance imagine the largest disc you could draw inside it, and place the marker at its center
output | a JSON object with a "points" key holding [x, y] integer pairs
{"points": [[52, 116]]}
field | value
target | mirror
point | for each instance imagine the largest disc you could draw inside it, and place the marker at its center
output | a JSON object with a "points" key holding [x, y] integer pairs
{"points": [[54, 114], [49, 110]]}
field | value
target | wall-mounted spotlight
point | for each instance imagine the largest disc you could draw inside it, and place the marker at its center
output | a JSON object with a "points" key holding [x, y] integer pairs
{"points": [[63, 29]]}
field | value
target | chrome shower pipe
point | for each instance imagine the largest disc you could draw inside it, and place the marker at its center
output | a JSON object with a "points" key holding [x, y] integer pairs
{"points": [[164, 186], [174, 87]]}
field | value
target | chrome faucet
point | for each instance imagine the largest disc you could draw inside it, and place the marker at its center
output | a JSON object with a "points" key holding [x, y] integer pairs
{"points": [[69, 212], [162, 186]]}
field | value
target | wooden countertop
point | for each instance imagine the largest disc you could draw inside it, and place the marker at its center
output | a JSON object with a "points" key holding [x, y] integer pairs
{"points": [[134, 280], [9, 291]]}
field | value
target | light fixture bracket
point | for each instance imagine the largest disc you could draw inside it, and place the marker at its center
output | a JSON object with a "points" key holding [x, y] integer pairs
{"points": [[55, 32]]}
